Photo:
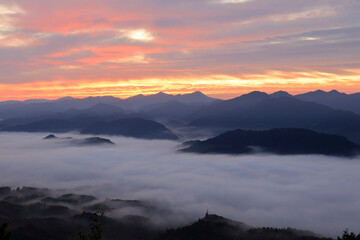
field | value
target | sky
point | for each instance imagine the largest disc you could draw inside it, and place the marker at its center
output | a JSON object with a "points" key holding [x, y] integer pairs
{"points": [[224, 48]]}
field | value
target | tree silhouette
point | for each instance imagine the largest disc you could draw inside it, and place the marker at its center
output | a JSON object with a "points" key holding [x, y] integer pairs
{"points": [[95, 231], [4, 234], [349, 236]]}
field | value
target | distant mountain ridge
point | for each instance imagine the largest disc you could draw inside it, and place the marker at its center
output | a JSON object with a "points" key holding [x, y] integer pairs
{"points": [[333, 99], [129, 127], [259, 111], [41, 106], [133, 127], [142, 100], [329, 112]]}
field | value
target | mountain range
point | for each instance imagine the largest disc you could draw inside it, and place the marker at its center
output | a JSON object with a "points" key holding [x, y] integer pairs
{"points": [[128, 127], [258, 110], [11, 109], [328, 112], [333, 99]]}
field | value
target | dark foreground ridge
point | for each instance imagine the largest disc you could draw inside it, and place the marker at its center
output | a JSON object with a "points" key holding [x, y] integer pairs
{"points": [[214, 227], [33, 213], [84, 141], [278, 141]]}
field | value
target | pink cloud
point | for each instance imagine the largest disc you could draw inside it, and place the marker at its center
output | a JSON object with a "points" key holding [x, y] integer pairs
{"points": [[44, 40]]}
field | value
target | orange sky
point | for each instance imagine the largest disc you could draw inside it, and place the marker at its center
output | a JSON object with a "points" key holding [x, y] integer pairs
{"points": [[222, 48]]}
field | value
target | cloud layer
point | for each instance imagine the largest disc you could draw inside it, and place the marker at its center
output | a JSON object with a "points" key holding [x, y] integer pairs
{"points": [[307, 192], [220, 47]]}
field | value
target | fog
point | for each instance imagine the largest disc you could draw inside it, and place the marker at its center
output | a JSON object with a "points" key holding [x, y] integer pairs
{"points": [[306, 192]]}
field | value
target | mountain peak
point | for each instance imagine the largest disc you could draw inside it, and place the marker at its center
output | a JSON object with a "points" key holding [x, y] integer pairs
{"points": [[312, 93], [193, 94], [139, 96], [255, 94], [281, 94], [65, 98], [196, 96], [336, 92], [161, 94], [198, 93], [319, 91]]}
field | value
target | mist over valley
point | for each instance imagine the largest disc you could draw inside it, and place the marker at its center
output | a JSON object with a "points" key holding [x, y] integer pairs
{"points": [[311, 192]]}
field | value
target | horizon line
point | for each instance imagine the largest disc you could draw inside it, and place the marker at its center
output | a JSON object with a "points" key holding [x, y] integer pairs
{"points": [[211, 95]]}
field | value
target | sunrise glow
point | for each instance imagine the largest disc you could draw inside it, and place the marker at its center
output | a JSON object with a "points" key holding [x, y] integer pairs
{"points": [[222, 48]]}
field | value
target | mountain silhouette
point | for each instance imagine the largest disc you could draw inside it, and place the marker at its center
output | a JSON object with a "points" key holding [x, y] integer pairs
{"points": [[47, 125], [35, 107], [97, 112], [84, 141], [129, 127], [171, 110], [214, 227], [333, 99], [218, 108], [280, 94], [318, 110], [261, 111], [142, 100], [50, 136], [132, 127], [278, 141]]}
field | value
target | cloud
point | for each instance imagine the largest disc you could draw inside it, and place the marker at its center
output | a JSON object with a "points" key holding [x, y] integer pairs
{"points": [[10, 10], [8, 32], [307, 192], [231, 1], [181, 38], [139, 58], [307, 14]]}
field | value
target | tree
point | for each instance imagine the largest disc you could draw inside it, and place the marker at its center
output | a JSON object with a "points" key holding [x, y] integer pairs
{"points": [[349, 236], [4, 234], [95, 231]]}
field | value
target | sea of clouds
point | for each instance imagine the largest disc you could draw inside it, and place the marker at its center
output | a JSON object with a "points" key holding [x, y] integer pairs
{"points": [[311, 192]]}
